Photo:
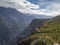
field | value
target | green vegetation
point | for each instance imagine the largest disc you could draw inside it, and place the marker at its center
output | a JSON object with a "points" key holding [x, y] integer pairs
{"points": [[50, 26], [49, 34]]}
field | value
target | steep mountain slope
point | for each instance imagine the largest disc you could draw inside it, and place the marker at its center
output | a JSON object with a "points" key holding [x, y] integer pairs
{"points": [[49, 34], [32, 27], [12, 24]]}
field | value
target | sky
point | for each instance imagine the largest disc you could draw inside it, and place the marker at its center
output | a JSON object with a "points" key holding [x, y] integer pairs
{"points": [[41, 7]]}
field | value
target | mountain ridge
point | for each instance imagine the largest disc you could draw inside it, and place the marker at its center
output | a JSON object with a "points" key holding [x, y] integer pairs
{"points": [[31, 28], [49, 34], [12, 24]]}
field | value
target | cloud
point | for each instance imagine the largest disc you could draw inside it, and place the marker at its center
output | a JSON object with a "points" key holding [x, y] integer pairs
{"points": [[21, 5], [52, 8]]}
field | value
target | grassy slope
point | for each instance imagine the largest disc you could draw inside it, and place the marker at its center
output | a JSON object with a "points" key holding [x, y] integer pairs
{"points": [[50, 32]]}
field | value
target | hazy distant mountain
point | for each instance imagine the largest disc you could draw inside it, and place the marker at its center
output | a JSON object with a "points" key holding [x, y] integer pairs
{"points": [[39, 16], [42, 16]]}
